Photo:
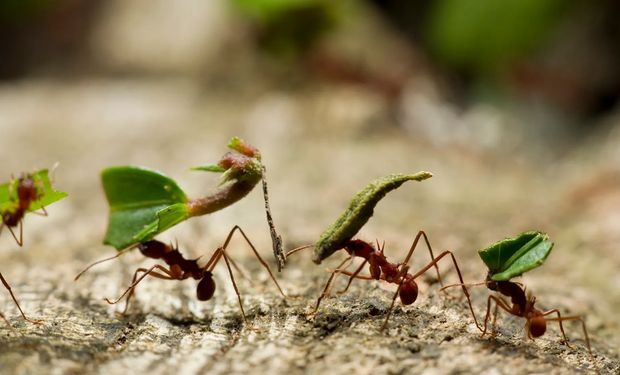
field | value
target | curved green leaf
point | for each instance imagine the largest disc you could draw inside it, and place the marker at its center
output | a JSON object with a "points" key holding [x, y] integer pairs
{"points": [[137, 197], [359, 211], [512, 257], [47, 193]]}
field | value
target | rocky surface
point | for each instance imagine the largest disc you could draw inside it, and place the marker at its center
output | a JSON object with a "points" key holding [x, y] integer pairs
{"points": [[320, 145]]}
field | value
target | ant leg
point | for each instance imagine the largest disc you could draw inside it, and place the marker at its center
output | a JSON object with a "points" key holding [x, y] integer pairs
{"points": [[401, 276], [458, 271], [430, 250], [353, 276], [19, 241], [166, 276], [44, 213], [232, 278], [329, 281], [169, 276], [8, 287], [260, 259], [101, 261], [499, 302], [561, 318], [240, 270], [6, 321], [215, 258], [493, 325]]}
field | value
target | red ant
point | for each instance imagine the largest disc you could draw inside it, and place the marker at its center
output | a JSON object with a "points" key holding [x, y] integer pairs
{"points": [[27, 193], [381, 269], [180, 268], [522, 305]]}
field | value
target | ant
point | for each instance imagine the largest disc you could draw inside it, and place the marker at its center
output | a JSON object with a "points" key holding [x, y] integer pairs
{"points": [[381, 269], [522, 305], [180, 268], [27, 193]]}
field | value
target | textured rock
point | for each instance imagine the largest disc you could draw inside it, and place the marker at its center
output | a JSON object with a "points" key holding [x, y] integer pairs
{"points": [[474, 199]]}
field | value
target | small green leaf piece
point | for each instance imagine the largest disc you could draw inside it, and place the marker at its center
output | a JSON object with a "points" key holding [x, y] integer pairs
{"points": [[359, 211], [210, 168], [512, 257], [137, 196], [46, 193]]}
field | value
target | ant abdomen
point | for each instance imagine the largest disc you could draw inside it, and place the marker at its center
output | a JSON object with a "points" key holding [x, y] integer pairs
{"points": [[538, 326], [408, 292], [206, 287]]}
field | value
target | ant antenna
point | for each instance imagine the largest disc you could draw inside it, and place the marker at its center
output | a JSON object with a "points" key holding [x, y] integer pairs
{"points": [[463, 284], [293, 251]]}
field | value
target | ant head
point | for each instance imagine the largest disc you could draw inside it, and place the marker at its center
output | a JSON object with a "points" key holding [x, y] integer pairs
{"points": [[359, 248], [206, 287], [11, 219], [538, 326], [408, 291], [153, 248], [490, 283]]}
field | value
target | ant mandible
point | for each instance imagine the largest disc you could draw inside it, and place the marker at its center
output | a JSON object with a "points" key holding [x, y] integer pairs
{"points": [[381, 269], [27, 192], [180, 268], [523, 307]]}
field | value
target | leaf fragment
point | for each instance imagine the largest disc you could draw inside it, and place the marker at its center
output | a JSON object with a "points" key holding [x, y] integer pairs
{"points": [[359, 212], [511, 257]]}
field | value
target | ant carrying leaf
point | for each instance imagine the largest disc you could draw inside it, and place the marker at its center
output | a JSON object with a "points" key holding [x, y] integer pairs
{"points": [[339, 237], [144, 202], [179, 268], [26, 194], [510, 258]]}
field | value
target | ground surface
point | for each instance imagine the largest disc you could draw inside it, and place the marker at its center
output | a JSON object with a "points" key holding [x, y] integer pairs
{"points": [[320, 146]]}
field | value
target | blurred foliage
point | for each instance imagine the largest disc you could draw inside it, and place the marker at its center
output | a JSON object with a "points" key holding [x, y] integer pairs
{"points": [[482, 36], [17, 11], [290, 27]]}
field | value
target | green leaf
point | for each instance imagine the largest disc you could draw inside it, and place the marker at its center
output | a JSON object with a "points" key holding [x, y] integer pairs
{"points": [[47, 193], [359, 211], [512, 257], [210, 168], [138, 199]]}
